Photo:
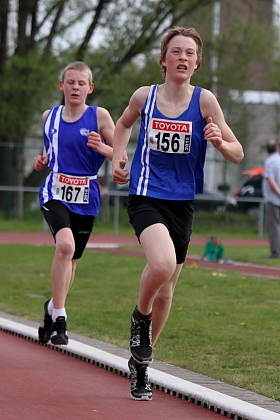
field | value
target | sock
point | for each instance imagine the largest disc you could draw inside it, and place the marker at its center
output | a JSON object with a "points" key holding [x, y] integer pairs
{"points": [[58, 312], [50, 307], [141, 316]]}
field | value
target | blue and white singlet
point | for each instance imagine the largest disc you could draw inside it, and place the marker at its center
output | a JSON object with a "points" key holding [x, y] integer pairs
{"points": [[73, 164], [170, 154]]}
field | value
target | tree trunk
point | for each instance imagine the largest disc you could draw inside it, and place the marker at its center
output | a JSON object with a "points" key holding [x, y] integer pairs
{"points": [[6, 177], [18, 181]]}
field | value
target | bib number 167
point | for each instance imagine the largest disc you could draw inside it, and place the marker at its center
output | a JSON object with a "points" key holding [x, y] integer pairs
{"points": [[72, 189]]}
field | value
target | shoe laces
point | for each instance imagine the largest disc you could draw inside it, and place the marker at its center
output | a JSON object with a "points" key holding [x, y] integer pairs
{"points": [[142, 377], [139, 376], [60, 325], [141, 332], [145, 333]]}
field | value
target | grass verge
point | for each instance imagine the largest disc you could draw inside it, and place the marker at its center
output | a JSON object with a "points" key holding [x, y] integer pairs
{"points": [[231, 225]]}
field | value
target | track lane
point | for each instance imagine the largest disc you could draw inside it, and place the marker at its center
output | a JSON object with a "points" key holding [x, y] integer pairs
{"points": [[42, 384]]}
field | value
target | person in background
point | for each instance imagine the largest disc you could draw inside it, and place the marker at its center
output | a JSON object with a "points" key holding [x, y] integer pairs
{"points": [[271, 193], [77, 139], [214, 250], [177, 121]]}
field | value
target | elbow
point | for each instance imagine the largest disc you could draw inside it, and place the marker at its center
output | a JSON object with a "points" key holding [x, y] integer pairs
{"points": [[238, 158]]}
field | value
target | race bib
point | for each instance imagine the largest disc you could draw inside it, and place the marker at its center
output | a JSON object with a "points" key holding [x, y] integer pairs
{"points": [[170, 136], [72, 189]]}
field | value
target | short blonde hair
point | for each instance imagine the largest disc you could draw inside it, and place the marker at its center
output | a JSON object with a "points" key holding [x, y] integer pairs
{"points": [[80, 66], [187, 32]]}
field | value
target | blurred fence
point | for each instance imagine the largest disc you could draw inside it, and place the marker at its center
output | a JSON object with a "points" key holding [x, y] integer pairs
{"points": [[261, 211], [115, 194], [116, 204], [33, 146]]}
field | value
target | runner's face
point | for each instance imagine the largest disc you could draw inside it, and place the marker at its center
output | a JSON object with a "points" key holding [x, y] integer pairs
{"points": [[76, 87], [181, 57]]}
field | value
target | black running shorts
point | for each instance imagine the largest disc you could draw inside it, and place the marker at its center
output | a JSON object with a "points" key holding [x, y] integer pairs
{"points": [[177, 216], [59, 216]]}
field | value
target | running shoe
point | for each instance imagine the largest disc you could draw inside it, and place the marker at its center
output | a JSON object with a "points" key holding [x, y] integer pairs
{"points": [[45, 329], [141, 340], [59, 334], [140, 385]]}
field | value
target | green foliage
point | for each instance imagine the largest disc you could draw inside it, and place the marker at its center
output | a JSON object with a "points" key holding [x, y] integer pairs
{"points": [[122, 62], [114, 88], [26, 82], [124, 59]]}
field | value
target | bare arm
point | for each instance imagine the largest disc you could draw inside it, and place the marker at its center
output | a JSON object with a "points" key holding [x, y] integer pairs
{"points": [[40, 162], [217, 130], [106, 125], [123, 131], [106, 128], [105, 132], [96, 143]]}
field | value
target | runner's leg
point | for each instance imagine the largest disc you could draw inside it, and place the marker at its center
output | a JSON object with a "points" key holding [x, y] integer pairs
{"points": [[160, 253], [162, 303]]}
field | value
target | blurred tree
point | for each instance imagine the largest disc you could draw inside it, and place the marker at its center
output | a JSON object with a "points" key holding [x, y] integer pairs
{"points": [[37, 37], [119, 39]]}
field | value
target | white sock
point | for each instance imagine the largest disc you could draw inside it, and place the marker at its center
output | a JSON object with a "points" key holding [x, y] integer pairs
{"points": [[58, 312], [50, 307]]}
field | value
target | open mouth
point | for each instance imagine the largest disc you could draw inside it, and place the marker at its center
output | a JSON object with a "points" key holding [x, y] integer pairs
{"points": [[182, 67]]}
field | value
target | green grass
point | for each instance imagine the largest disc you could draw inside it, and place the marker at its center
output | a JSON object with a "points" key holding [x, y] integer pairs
{"points": [[222, 324], [230, 225], [254, 255], [33, 222], [234, 225]]}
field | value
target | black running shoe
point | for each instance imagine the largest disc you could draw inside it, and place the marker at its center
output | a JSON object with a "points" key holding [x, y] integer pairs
{"points": [[59, 334], [141, 340], [140, 386], [45, 329]]}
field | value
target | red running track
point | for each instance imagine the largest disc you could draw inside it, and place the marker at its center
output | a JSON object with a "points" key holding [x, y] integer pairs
{"points": [[45, 238], [38, 383]]}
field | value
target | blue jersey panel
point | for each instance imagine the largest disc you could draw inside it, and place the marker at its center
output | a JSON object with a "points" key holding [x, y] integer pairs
{"points": [[68, 153], [170, 154]]}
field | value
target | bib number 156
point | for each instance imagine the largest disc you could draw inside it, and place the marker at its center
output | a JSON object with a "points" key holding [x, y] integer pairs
{"points": [[171, 142]]}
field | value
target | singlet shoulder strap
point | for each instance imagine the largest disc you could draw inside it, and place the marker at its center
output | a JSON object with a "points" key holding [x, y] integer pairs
{"points": [[150, 101], [196, 93]]}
